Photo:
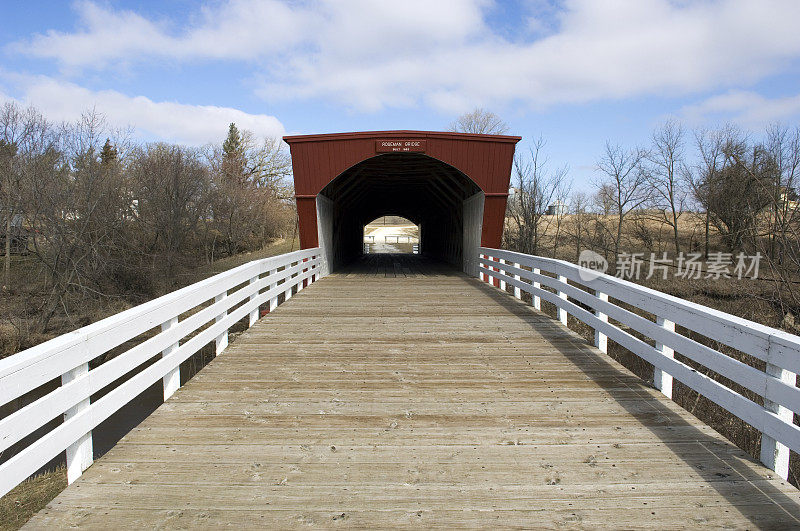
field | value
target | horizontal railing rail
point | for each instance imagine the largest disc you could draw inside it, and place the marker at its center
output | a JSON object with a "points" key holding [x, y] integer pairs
{"points": [[574, 289], [218, 302]]}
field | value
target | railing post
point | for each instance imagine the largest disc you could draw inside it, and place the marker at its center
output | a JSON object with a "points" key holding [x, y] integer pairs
{"points": [[288, 293], [493, 281], [774, 454], [661, 380], [600, 339], [562, 313], [301, 284], [273, 302], [222, 339], [517, 289], [481, 274], [254, 311], [80, 453], [537, 301], [503, 282], [171, 380]]}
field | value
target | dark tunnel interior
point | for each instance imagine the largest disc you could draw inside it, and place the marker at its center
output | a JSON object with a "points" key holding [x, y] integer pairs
{"points": [[420, 188]]}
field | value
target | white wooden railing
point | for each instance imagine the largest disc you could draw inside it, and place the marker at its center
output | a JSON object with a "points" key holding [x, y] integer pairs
{"points": [[778, 349], [186, 321]]}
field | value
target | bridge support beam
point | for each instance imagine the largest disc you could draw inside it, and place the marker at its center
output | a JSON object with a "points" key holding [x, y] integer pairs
{"points": [[774, 454], [80, 454]]}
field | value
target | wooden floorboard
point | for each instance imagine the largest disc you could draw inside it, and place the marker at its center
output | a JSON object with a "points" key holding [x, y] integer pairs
{"points": [[382, 398]]}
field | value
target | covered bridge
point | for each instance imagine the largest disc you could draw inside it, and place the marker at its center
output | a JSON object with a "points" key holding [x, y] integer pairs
{"points": [[411, 396], [453, 185]]}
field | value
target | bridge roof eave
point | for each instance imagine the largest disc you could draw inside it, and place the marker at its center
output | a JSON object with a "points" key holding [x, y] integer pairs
{"points": [[362, 135]]}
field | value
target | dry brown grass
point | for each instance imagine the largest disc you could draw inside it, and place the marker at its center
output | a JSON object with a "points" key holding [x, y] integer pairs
{"points": [[18, 307], [29, 497]]}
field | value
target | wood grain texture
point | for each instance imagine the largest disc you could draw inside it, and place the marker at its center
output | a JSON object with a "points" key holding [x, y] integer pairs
{"points": [[398, 394]]}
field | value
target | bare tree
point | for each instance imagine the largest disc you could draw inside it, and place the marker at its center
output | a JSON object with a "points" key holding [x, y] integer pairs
{"points": [[479, 121], [624, 182], [578, 225], [536, 187], [19, 130], [783, 147], [171, 184], [774, 168], [738, 188], [710, 145], [667, 177], [108, 218], [603, 199], [77, 206]]}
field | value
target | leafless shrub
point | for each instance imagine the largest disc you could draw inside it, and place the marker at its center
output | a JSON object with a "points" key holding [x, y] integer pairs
{"points": [[479, 121], [667, 177], [623, 187], [536, 187]]}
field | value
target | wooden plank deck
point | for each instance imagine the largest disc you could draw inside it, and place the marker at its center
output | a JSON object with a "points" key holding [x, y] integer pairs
{"points": [[419, 400]]}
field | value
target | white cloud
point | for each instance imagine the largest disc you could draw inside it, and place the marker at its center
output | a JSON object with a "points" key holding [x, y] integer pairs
{"points": [[746, 108], [169, 121], [242, 29], [369, 55]]}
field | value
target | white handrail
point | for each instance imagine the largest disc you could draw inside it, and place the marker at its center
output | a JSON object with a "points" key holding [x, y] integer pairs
{"points": [[575, 288], [231, 296]]}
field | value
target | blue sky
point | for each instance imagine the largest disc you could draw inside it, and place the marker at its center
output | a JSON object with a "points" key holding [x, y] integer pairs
{"points": [[577, 72]]}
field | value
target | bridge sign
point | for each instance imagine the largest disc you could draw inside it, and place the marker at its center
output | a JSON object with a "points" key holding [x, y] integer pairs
{"points": [[400, 146]]}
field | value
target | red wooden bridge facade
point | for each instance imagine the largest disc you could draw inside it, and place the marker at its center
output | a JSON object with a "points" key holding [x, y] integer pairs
{"points": [[453, 185]]}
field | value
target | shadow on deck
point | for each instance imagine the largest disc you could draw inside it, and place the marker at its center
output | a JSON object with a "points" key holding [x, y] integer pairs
{"points": [[397, 265], [435, 400]]}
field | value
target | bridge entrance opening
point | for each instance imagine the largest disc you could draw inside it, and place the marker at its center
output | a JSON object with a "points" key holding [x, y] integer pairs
{"points": [[391, 234], [427, 192], [452, 186]]}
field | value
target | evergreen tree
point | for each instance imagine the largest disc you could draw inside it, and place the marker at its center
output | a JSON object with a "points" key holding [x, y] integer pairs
{"points": [[109, 153], [233, 144], [233, 156]]}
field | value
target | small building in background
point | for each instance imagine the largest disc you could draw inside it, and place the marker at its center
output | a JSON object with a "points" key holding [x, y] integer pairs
{"points": [[19, 234], [558, 208]]}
